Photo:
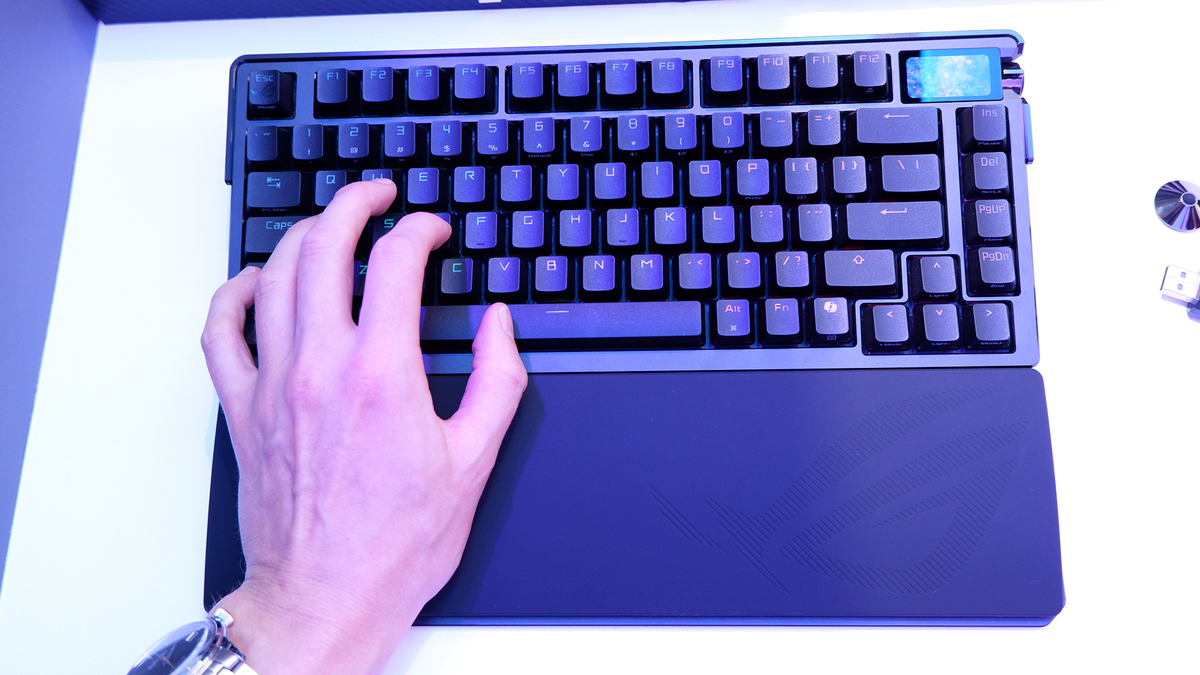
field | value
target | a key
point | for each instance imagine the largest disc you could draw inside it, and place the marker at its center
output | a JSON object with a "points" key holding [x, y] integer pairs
{"points": [[938, 277], [849, 176], [718, 225], [831, 323], [704, 179], [939, 328], [273, 190], [423, 186], [621, 83], [504, 279], [377, 84], [381, 225], [992, 270], [633, 133], [791, 272], [897, 125], [870, 79], [528, 87], [781, 321], [667, 79], [985, 174], [646, 274], [774, 73], [262, 144], [989, 327], [457, 276], [775, 131], [724, 83], [270, 95], [824, 129], [354, 141], [815, 222], [800, 176], [743, 273], [562, 182], [308, 143], [861, 272], [889, 329], [600, 275], [332, 86], [479, 230], [470, 185], [445, 138], [894, 221], [903, 174], [516, 184], [658, 180], [575, 85], [989, 220], [820, 70], [575, 324], [753, 178], [695, 274], [263, 234], [679, 132], [538, 134], [983, 128], [399, 139], [728, 131], [375, 174], [424, 84], [551, 277], [470, 83], [587, 135]]}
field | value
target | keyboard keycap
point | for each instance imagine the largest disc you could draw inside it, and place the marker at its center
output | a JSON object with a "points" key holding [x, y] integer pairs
{"points": [[504, 278], [262, 144], [327, 185], [424, 83], [704, 179], [646, 274], [939, 326], [658, 180], [728, 131], [894, 125], [861, 272], [911, 173], [479, 231], [600, 275], [470, 82], [354, 141], [667, 83], [567, 324], [610, 181], [332, 86], [732, 321], [831, 323], [470, 184], [264, 88], [718, 225], [992, 270], [377, 84], [820, 70], [527, 81], [263, 234], [491, 137], [984, 128], [621, 227], [516, 184], [633, 133], [273, 190], [587, 135], [870, 69], [894, 221], [551, 276], [723, 82], [680, 132], [774, 72], [270, 95], [815, 222], [824, 129], [791, 272], [423, 186], [743, 273], [766, 224], [538, 133], [457, 276], [670, 226], [800, 176], [989, 327], [399, 139], [528, 229], [939, 277], [574, 80], [308, 143], [989, 220], [562, 182], [445, 139], [695, 273], [849, 175], [620, 77], [575, 228], [775, 131], [781, 321], [753, 178], [889, 328], [986, 174]]}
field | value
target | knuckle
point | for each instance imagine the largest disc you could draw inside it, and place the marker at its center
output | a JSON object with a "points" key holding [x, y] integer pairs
{"points": [[319, 243]]}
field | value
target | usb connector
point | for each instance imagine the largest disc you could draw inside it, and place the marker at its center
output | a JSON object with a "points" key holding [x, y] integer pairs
{"points": [[1182, 285]]}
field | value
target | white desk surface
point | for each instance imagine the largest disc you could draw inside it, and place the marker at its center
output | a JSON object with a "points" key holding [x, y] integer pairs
{"points": [[107, 547]]}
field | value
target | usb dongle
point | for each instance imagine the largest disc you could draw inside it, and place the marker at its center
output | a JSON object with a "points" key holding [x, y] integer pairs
{"points": [[1182, 285]]}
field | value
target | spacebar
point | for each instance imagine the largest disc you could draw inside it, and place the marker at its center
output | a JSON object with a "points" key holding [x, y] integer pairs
{"points": [[577, 324]]}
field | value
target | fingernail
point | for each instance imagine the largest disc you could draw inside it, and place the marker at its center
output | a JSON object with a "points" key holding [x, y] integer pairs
{"points": [[506, 320], [245, 270]]}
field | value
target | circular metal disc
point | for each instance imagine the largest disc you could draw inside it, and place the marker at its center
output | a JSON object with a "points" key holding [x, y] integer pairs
{"points": [[1178, 205]]}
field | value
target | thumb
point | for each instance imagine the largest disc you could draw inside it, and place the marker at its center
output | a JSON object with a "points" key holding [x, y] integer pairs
{"points": [[497, 381]]}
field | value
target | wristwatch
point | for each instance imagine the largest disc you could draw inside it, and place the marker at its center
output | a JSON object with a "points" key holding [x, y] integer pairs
{"points": [[199, 648]]}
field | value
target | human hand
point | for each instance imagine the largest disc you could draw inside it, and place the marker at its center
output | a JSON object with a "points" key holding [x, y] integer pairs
{"points": [[355, 500]]}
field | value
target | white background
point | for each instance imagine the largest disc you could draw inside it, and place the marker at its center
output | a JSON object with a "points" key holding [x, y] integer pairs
{"points": [[107, 547]]}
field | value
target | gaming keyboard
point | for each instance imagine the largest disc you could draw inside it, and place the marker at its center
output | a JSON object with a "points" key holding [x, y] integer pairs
{"points": [[774, 204]]}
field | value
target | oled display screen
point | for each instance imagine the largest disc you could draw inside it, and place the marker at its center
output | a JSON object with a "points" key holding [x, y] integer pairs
{"points": [[952, 75]]}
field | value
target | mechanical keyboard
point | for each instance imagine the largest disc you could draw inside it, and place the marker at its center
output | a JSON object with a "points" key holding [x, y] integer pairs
{"points": [[772, 204]]}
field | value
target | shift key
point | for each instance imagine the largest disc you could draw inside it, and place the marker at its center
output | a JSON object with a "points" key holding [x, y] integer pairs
{"points": [[862, 273]]}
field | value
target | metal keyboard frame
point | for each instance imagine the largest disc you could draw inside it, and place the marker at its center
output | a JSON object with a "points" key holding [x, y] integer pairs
{"points": [[1010, 44]]}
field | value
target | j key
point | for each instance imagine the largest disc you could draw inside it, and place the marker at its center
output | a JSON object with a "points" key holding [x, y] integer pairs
{"points": [[445, 139], [271, 95], [646, 275], [423, 186], [622, 227], [457, 276], [775, 132], [587, 135], [895, 125], [538, 134], [667, 83], [718, 225], [824, 129], [743, 273], [504, 278], [575, 85], [695, 274], [937, 277], [861, 272], [753, 178], [658, 180], [528, 229], [575, 228], [831, 323], [781, 321], [815, 222], [670, 226], [262, 144], [377, 84], [262, 234], [470, 185], [989, 220], [800, 176], [354, 141], [889, 328], [791, 272], [894, 221], [986, 174], [704, 179], [983, 128], [470, 82], [562, 182], [766, 224], [551, 277], [633, 133], [609, 179], [479, 230], [528, 87], [679, 132], [516, 184], [992, 270], [728, 131], [308, 143], [989, 327], [904, 174], [724, 83], [600, 275], [550, 324], [820, 71], [273, 190], [327, 185], [849, 175], [732, 318], [491, 137], [399, 139], [939, 329]]}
